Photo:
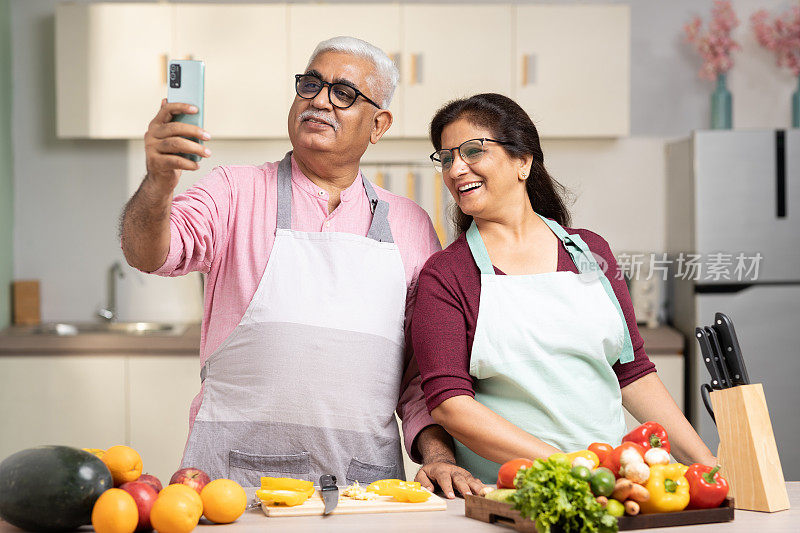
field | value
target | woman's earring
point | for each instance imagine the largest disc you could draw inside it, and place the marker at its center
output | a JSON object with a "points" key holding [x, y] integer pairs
{"points": [[524, 176]]}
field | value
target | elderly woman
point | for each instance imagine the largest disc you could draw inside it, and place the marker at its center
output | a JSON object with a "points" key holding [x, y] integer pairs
{"points": [[523, 328]]}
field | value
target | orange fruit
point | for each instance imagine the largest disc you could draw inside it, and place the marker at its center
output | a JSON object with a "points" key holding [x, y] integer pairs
{"points": [[124, 462], [224, 501], [174, 512], [185, 491], [115, 511], [95, 451]]}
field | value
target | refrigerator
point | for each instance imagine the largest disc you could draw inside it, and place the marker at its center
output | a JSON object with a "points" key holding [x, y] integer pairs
{"points": [[733, 200]]}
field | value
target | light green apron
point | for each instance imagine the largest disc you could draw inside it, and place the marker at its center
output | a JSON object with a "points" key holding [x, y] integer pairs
{"points": [[543, 349]]}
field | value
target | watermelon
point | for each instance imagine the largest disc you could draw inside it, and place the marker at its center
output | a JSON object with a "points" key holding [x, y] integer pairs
{"points": [[51, 488]]}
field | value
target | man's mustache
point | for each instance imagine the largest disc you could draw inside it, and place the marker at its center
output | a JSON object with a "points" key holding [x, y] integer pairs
{"points": [[327, 118]]}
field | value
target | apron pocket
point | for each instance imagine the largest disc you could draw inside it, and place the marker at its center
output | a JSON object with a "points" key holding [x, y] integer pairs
{"points": [[247, 469], [366, 473]]}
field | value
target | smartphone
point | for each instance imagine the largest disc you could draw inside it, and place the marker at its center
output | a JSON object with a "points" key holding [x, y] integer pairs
{"points": [[186, 85]]}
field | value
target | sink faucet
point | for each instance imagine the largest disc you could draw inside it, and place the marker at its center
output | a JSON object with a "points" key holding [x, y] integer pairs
{"points": [[109, 312]]}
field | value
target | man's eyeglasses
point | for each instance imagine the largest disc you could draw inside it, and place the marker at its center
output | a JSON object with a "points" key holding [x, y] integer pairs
{"points": [[340, 95], [471, 152]]}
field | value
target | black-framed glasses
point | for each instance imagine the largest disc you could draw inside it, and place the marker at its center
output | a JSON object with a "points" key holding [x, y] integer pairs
{"points": [[470, 151], [341, 95]]}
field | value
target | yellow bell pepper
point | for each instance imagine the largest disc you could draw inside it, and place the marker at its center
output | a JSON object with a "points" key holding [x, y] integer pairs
{"points": [[668, 488], [289, 498], [405, 493], [586, 454], [288, 483], [385, 487]]}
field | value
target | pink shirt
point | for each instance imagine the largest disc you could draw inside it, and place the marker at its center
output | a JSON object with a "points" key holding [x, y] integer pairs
{"points": [[224, 226]]}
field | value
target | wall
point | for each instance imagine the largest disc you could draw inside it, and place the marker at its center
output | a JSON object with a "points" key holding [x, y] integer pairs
{"points": [[6, 170], [68, 194]]}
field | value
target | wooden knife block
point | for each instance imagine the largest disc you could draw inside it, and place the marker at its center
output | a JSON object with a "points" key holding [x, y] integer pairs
{"points": [[747, 450]]}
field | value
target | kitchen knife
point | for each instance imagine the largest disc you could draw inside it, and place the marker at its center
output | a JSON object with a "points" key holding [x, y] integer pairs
{"points": [[329, 492], [729, 343], [708, 358], [722, 368]]}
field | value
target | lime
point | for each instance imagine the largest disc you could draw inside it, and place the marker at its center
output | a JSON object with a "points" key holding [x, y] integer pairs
{"points": [[603, 482], [615, 508]]}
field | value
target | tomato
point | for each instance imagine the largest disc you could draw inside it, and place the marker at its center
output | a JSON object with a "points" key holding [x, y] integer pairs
{"points": [[581, 472], [601, 449], [505, 478]]}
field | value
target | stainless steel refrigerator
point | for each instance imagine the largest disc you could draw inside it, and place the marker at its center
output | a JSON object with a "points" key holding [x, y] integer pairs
{"points": [[733, 195]]}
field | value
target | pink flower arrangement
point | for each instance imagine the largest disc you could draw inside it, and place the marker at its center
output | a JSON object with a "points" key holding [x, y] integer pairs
{"points": [[715, 45], [782, 36]]}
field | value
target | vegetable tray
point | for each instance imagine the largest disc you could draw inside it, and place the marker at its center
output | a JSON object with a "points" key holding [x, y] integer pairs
{"points": [[491, 511]]}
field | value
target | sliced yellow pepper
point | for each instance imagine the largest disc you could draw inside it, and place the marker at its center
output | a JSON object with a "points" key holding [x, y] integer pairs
{"points": [[586, 454], [384, 487], [289, 498], [288, 483], [668, 488], [408, 494]]}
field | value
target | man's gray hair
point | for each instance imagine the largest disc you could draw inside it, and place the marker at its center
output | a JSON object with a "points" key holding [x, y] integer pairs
{"points": [[384, 81]]}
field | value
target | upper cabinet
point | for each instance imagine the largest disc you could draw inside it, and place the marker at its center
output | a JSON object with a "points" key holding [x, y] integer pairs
{"points": [[568, 66], [110, 68], [573, 65], [243, 47], [451, 51]]}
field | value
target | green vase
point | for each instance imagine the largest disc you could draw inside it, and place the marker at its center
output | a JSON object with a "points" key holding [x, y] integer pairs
{"points": [[796, 106], [721, 105]]}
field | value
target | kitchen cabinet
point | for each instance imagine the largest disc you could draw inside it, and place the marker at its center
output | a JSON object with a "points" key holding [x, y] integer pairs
{"points": [[568, 66], [311, 24], [573, 69], [452, 51], [247, 85], [62, 399], [111, 62], [110, 68], [161, 390]]}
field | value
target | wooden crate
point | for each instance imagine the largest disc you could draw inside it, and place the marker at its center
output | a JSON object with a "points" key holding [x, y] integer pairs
{"points": [[493, 512]]}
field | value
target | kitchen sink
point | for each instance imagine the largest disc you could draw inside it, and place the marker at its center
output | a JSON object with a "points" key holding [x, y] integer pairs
{"points": [[114, 328]]}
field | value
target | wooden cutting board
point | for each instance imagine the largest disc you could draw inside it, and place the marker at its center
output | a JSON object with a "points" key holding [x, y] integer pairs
{"points": [[383, 504]]}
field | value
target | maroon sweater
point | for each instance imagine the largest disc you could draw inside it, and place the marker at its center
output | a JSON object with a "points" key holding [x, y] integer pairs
{"points": [[446, 311]]}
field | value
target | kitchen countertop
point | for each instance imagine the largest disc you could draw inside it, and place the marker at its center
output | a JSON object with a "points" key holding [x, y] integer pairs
{"points": [[662, 340], [454, 520]]}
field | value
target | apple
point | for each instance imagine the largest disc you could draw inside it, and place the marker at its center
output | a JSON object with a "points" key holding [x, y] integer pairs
{"points": [[151, 480], [192, 477], [145, 496]]}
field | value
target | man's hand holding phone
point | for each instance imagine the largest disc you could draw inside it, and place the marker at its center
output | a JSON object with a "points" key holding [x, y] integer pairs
{"points": [[165, 139]]}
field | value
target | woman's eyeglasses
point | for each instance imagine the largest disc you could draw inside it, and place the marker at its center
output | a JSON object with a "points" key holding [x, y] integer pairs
{"points": [[470, 151], [340, 95]]}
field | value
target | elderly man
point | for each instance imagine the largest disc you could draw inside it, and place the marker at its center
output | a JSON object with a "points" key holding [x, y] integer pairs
{"points": [[310, 274]]}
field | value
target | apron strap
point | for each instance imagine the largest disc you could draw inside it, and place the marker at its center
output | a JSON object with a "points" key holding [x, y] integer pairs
{"points": [[379, 229], [285, 192], [585, 262], [478, 249]]}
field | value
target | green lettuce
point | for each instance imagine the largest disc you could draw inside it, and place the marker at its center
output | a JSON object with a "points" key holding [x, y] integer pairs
{"points": [[553, 498]]}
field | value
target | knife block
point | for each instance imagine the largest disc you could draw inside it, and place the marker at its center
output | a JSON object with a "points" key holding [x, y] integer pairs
{"points": [[747, 450]]}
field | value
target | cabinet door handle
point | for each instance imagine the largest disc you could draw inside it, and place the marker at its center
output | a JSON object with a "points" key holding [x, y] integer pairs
{"points": [[416, 69], [528, 69], [379, 179], [395, 57], [411, 186], [438, 208], [164, 67]]}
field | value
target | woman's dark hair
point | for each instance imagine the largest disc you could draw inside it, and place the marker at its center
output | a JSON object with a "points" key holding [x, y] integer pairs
{"points": [[510, 123]]}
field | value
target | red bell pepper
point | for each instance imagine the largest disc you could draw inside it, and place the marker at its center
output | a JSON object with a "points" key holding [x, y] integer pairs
{"points": [[612, 460], [707, 488], [649, 435]]}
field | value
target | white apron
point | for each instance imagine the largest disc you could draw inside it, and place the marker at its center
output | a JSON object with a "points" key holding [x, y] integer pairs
{"points": [[543, 349], [308, 382]]}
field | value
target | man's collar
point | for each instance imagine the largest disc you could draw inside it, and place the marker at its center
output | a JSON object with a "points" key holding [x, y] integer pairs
{"points": [[302, 181]]}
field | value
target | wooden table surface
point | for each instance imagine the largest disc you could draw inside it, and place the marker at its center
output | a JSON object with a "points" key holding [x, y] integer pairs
{"points": [[453, 520]]}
